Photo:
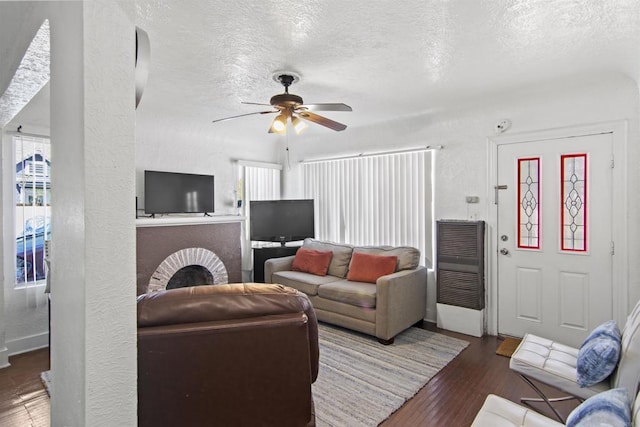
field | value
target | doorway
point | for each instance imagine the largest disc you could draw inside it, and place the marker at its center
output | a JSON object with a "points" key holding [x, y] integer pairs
{"points": [[555, 244]]}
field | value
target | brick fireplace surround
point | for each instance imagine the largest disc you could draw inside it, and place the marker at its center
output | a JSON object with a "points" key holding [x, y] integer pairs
{"points": [[158, 238]]}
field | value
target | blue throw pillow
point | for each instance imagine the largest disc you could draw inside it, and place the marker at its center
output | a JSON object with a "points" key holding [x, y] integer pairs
{"points": [[599, 354], [609, 408]]}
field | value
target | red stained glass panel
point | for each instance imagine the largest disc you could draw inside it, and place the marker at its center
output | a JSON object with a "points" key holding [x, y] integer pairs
{"points": [[573, 209]]}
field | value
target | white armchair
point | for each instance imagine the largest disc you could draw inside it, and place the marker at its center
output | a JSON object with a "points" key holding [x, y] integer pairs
{"points": [[554, 364], [500, 412]]}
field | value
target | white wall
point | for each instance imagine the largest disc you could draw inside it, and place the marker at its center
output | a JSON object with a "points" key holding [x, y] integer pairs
{"points": [[93, 354], [175, 147], [161, 145], [96, 308], [461, 167]]}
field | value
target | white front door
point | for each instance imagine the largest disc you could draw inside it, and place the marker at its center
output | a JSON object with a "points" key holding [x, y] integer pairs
{"points": [[555, 237]]}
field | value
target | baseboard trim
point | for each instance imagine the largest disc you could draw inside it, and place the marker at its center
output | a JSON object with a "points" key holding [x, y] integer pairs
{"points": [[460, 319], [432, 316], [4, 358], [26, 344]]}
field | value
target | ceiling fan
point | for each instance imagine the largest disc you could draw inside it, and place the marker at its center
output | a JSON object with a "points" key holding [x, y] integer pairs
{"points": [[291, 107]]}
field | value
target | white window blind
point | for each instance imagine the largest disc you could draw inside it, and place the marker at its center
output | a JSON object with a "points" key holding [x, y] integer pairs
{"points": [[374, 200], [32, 207], [261, 183]]}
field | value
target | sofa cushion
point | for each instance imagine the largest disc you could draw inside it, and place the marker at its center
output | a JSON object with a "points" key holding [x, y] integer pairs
{"points": [[354, 293], [408, 257], [329, 311], [340, 259], [599, 354], [312, 261], [368, 268], [304, 282], [610, 408]]}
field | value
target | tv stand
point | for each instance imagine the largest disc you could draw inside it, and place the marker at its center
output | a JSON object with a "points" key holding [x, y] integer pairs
{"points": [[260, 255]]}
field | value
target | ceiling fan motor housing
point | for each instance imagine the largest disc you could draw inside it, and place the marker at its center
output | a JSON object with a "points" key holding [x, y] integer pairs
{"points": [[286, 100]]}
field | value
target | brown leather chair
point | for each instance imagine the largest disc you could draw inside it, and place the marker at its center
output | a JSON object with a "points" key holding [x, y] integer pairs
{"points": [[226, 355]]}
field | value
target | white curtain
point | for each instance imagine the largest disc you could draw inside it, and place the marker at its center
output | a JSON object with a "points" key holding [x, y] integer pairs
{"points": [[256, 181], [374, 200], [262, 183], [32, 214]]}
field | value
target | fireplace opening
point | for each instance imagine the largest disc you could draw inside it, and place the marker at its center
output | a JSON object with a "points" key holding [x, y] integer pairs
{"points": [[191, 275]]}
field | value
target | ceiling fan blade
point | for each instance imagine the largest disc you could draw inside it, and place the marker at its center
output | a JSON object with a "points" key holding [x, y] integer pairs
{"points": [[242, 115], [327, 107], [255, 103], [321, 120]]}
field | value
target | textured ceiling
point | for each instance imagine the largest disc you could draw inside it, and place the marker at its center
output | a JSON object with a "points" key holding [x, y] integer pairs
{"points": [[384, 58]]}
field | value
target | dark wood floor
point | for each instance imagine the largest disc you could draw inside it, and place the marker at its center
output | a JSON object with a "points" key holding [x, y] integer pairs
{"points": [[23, 399], [455, 394], [451, 398]]}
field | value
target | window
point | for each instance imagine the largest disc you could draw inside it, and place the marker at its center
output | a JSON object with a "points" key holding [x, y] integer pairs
{"points": [[256, 181], [32, 207], [374, 200], [259, 181]]}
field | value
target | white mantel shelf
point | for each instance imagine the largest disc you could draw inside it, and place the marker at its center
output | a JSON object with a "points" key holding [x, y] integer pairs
{"points": [[187, 220]]}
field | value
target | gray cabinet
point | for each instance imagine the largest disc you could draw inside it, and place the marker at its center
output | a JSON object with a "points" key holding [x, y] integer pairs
{"points": [[260, 255]]}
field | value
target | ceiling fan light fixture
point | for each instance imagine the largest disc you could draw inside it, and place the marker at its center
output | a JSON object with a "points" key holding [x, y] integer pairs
{"points": [[279, 124], [290, 106], [298, 124]]}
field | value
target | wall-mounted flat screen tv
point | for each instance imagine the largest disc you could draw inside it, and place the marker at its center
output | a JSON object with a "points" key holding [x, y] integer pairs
{"points": [[170, 192], [281, 220]]}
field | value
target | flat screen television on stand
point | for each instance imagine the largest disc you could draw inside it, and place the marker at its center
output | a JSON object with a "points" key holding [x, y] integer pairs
{"points": [[171, 192], [281, 220]]}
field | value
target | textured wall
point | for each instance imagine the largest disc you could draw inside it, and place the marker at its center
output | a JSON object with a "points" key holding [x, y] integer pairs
{"points": [[175, 147], [461, 167], [93, 359]]}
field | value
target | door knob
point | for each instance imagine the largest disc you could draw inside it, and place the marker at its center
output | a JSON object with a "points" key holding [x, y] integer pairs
{"points": [[504, 251]]}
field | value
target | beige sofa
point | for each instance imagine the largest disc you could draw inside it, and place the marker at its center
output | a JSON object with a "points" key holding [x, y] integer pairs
{"points": [[382, 309]]}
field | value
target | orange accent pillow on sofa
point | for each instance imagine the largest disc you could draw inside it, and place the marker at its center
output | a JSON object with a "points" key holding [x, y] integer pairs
{"points": [[368, 268], [312, 261]]}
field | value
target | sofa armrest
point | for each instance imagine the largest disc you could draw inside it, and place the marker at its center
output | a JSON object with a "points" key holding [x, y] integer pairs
{"points": [[273, 265], [401, 301]]}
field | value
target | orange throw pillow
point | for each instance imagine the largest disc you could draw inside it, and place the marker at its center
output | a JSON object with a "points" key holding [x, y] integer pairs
{"points": [[368, 268], [312, 261]]}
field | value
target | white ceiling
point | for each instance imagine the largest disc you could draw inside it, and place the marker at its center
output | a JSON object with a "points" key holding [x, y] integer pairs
{"points": [[384, 58]]}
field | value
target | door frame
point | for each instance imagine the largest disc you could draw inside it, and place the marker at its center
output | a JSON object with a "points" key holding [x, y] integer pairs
{"points": [[620, 268]]}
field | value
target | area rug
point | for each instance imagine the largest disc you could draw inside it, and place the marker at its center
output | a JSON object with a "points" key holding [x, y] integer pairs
{"points": [[361, 382], [45, 377], [508, 346]]}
